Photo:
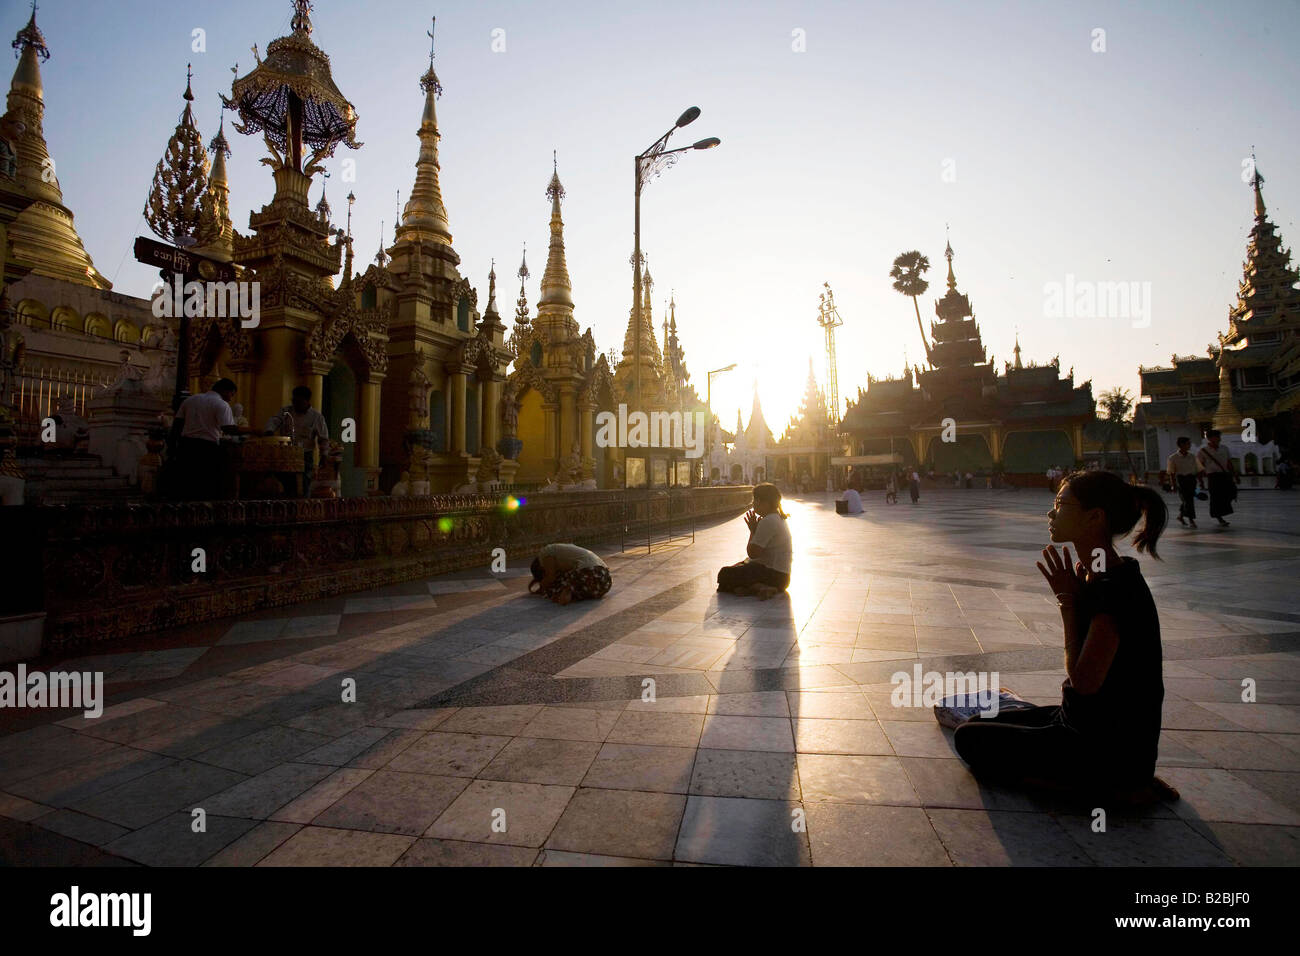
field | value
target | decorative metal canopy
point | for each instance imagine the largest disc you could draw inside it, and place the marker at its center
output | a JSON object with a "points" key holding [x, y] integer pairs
{"points": [[290, 98]]}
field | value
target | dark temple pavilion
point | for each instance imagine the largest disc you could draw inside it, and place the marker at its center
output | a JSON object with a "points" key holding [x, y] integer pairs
{"points": [[1020, 422]]}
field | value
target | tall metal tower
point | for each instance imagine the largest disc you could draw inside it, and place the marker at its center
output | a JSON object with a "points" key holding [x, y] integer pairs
{"points": [[828, 317]]}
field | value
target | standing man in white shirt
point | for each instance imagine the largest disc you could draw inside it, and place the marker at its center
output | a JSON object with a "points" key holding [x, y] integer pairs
{"points": [[201, 421], [304, 425], [1219, 473], [1183, 469]]}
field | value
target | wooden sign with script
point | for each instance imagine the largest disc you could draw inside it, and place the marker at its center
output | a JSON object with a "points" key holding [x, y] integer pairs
{"points": [[178, 260]]}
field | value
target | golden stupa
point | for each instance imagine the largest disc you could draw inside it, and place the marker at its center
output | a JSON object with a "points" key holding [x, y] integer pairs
{"points": [[42, 237]]}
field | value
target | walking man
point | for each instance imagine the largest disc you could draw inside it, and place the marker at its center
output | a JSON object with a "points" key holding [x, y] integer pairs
{"points": [[1183, 469], [1220, 474]]}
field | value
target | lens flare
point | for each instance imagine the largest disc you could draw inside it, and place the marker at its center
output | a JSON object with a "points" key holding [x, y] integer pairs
{"points": [[512, 503], [445, 525]]}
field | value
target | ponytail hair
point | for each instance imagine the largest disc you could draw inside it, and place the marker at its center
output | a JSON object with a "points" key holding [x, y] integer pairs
{"points": [[1122, 504]]}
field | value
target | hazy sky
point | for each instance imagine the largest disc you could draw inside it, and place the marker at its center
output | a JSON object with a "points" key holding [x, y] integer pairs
{"points": [[1048, 159]]}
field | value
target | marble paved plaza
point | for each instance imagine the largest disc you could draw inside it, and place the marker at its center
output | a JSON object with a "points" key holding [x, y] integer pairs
{"points": [[491, 727]]}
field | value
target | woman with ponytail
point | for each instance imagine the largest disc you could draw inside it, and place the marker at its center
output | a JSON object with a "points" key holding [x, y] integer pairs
{"points": [[766, 571], [1104, 734]]}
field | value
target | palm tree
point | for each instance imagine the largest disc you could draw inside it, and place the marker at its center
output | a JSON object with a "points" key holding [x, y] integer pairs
{"points": [[1116, 404], [908, 272]]}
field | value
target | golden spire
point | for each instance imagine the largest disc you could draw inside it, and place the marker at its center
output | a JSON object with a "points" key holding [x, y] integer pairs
{"points": [[425, 215], [521, 306], [557, 290], [952, 279], [43, 237], [1257, 180], [1226, 415], [1016, 350], [650, 355], [216, 200]]}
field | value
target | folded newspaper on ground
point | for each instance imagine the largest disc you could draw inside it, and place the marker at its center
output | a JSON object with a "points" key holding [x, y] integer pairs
{"points": [[952, 711]]}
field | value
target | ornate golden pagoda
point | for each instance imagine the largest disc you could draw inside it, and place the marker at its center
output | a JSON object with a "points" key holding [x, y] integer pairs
{"points": [[558, 382], [447, 361], [217, 200], [43, 237], [652, 363]]}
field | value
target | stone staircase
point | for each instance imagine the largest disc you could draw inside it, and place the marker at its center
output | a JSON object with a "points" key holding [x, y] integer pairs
{"points": [[74, 479]]}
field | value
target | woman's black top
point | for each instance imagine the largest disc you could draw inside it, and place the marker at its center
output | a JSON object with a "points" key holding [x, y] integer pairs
{"points": [[1123, 716]]}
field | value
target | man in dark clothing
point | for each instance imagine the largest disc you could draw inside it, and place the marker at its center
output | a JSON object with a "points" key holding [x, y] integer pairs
{"points": [[1220, 474], [1183, 469]]}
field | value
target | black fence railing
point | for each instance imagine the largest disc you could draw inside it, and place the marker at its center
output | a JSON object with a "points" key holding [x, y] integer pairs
{"points": [[662, 515]]}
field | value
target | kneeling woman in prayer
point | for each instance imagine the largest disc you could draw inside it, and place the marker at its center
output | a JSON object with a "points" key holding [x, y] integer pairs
{"points": [[766, 571], [566, 572], [1103, 736]]}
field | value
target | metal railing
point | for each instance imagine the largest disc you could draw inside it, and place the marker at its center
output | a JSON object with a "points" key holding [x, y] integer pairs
{"points": [[40, 391], [639, 510]]}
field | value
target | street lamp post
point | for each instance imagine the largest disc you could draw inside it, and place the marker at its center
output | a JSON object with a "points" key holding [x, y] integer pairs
{"points": [[709, 399], [651, 163]]}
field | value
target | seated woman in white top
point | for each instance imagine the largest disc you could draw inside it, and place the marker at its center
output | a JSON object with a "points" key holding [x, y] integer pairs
{"points": [[766, 571], [566, 572]]}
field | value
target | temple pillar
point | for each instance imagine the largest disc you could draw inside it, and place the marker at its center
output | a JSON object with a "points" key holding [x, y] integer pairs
{"points": [[568, 421], [366, 455], [551, 460], [586, 413], [490, 415], [245, 376], [270, 391], [457, 381]]}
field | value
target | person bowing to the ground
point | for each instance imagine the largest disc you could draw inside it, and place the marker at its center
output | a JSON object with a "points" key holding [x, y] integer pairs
{"points": [[566, 572]]}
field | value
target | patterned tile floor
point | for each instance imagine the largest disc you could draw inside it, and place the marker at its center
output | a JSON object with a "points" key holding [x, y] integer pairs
{"points": [[493, 728]]}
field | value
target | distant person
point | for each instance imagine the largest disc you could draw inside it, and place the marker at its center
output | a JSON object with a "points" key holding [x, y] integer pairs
{"points": [[853, 502], [1104, 734], [1183, 469], [199, 424], [891, 489], [565, 573], [770, 552], [969, 479], [303, 425], [1220, 474], [914, 487]]}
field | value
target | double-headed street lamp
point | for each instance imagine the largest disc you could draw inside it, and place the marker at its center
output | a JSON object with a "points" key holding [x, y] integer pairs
{"points": [[651, 163]]}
